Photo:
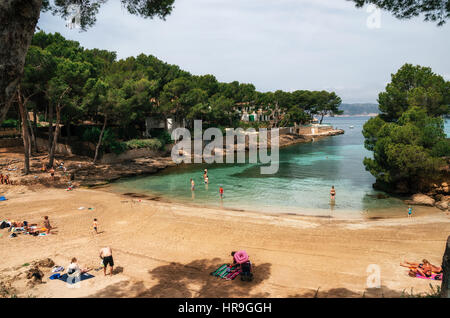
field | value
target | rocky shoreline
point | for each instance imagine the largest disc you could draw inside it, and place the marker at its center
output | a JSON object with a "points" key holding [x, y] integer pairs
{"points": [[439, 197], [86, 174]]}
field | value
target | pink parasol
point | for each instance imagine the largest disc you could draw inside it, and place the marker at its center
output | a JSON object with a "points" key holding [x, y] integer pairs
{"points": [[241, 257]]}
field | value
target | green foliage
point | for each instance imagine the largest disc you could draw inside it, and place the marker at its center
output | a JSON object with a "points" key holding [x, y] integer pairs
{"points": [[154, 144], [109, 141], [90, 9], [408, 139], [10, 123], [433, 10], [407, 150], [434, 292], [414, 86]]}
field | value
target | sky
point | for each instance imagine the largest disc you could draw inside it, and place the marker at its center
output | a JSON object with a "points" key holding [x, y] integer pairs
{"points": [[274, 44]]}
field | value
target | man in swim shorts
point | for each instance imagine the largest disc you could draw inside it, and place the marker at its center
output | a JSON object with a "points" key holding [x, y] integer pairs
{"points": [[106, 256]]}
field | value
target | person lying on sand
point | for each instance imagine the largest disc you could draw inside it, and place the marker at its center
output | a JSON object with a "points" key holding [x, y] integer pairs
{"points": [[425, 268]]}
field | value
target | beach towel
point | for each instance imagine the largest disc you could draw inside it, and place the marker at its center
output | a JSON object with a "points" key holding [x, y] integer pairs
{"points": [[57, 268], [55, 276], [233, 274], [2, 198], [226, 272], [65, 278], [432, 277]]}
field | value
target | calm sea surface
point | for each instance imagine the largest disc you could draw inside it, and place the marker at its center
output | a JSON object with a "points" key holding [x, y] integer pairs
{"points": [[301, 186]]}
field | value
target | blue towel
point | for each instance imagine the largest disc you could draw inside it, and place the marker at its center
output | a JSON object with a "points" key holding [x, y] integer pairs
{"points": [[73, 280], [2, 198]]}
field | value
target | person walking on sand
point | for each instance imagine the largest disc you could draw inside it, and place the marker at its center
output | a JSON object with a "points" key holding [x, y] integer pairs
{"points": [[106, 256], [47, 224], [221, 192], [409, 211], [192, 185], [95, 226], [333, 193]]}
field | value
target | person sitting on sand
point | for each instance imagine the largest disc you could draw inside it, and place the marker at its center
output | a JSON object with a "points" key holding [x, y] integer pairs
{"points": [[106, 256], [74, 270], [47, 224], [1, 178], [246, 269], [43, 169]]}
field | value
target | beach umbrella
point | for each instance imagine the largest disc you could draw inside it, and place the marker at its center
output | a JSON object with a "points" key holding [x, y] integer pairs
{"points": [[241, 257]]}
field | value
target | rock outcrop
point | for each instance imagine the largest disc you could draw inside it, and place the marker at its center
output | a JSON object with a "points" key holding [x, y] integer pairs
{"points": [[421, 199]]}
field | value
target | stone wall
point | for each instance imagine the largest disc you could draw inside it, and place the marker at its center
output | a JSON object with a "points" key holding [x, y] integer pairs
{"points": [[111, 158]]}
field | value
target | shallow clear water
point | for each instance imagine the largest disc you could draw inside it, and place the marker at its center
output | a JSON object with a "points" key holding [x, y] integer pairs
{"points": [[301, 186]]}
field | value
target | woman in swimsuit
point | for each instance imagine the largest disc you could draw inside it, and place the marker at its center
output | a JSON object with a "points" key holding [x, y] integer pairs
{"points": [[425, 268], [332, 193]]}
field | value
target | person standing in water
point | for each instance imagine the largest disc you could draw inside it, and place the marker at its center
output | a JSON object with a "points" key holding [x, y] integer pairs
{"points": [[192, 185], [221, 192], [333, 193]]}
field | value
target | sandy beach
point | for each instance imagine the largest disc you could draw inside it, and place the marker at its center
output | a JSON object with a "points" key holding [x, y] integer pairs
{"points": [[168, 250]]}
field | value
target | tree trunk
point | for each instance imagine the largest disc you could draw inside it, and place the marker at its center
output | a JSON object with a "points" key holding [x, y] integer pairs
{"points": [[51, 155], [36, 148], [25, 135], [445, 287], [18, 22], [321, 118], [33, 137], [100, 140], [50, 126]]}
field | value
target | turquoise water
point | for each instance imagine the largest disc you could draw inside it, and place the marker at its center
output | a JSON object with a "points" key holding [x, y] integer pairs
{"points": [[301, 186]]}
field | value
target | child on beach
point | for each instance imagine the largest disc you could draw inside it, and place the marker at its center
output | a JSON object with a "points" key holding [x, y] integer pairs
{"points": [[95, 224], [47, 224], [409, 211]]}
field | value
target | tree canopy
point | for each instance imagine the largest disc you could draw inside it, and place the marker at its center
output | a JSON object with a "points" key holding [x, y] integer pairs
{"points": [[407, 138], [433, 10]]}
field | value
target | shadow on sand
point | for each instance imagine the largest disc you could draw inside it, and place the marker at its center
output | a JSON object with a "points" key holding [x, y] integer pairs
{"points": [[189, 280], [381, 292]]}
